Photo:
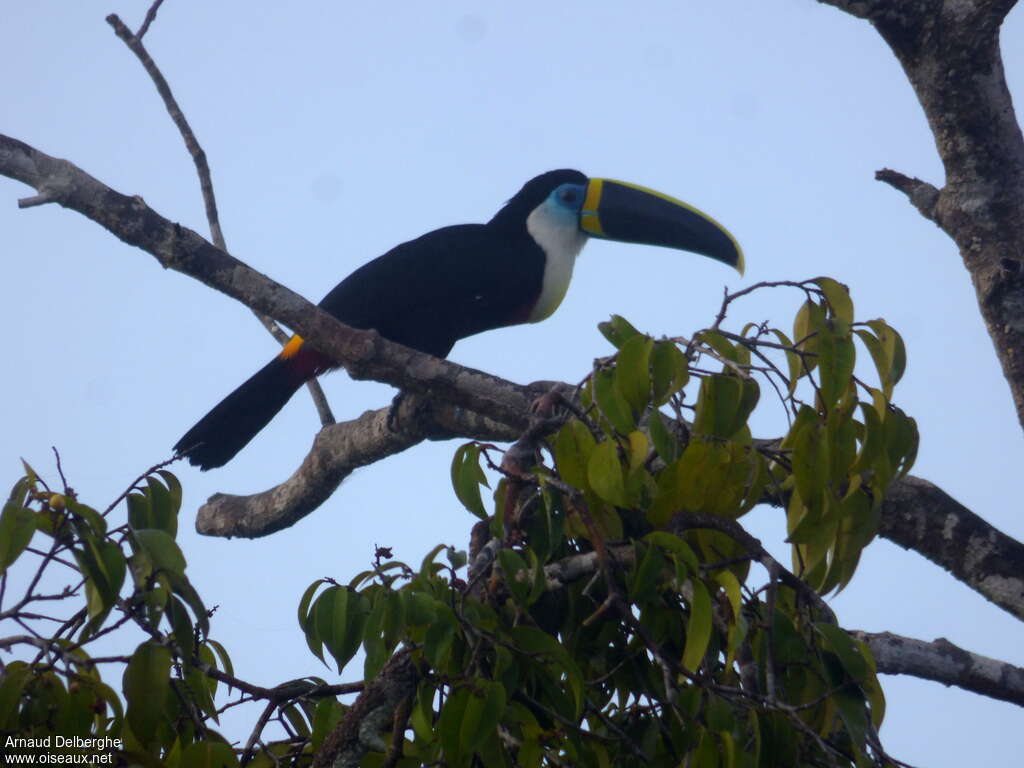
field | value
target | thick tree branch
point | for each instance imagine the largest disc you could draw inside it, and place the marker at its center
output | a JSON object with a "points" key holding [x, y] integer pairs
{"points": [[967, 546], [939, 661], [949, 50], [337, 451], [921, 516], [372, 714], [945, 663], [365, 354]]}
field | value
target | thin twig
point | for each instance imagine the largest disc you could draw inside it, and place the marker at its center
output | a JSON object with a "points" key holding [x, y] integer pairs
{"points": [[134, 43], [150, 16]]}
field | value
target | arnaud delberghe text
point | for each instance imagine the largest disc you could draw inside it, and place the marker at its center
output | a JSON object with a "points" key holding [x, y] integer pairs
{"points": [[63, 742]]}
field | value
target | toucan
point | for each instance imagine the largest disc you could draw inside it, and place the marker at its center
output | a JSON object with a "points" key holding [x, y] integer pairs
{"points": [[461, 280]]}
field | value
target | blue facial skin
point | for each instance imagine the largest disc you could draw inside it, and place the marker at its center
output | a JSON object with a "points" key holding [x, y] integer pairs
{"points": [[567, 198]]}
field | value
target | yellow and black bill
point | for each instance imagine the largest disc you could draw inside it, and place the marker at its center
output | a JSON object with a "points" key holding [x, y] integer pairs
{"points": [[618, 210]]}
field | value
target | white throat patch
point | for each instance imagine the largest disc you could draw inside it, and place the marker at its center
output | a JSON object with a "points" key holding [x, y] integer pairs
{"points": [[559, 236]]}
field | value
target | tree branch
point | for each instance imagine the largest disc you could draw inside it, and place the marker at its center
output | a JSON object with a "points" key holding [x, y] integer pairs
{"points": [[371, 714], [921, 516], [198, 154], [945, 663], [337, 451], [491, 408], [364, 353], [980, 143]]}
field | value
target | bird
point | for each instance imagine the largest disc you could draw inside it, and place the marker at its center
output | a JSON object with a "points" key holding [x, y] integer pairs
{"points": [[461, 280]]}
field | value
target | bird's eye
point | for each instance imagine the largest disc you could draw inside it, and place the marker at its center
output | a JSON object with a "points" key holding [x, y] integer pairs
{"points": [[568, 195]]}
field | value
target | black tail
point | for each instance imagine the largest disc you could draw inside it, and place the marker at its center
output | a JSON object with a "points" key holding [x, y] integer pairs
{"points": [[236, 419]]}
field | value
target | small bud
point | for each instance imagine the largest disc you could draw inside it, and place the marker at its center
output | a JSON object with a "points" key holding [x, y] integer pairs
{"points": [[57, 501]]}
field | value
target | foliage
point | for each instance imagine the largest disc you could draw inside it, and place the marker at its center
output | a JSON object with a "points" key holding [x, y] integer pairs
{"points": [[168, 685], [612, 615]]}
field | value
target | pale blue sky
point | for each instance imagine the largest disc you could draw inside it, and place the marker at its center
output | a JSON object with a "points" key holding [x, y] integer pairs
{"points": [[335, 132]]}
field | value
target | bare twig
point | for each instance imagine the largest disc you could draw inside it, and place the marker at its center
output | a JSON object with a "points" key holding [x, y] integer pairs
{"points": [[198, 154], [150, 16]]}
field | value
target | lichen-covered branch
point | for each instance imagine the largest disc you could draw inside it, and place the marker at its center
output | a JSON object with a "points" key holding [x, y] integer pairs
{"points": [[372, 714], [476, 405], [364, 354], [921, 516], [337, 451], [945, 663], [949, 50]]}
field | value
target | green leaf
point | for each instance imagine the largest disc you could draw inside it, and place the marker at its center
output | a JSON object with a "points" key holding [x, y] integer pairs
{"points": [[17, 525], [836, 359], [796, 369], [669, 371], [873, 440], [373, 638], [450, 726], [198, 691], [723, 405], [428, 567], [901, 440], [846, 650], [484, 708], [639, 450], [618, 330], [883, 365], [604, 473], [676, 546], [162, 550], [721, 345], [328, 713], [534, 641], [806, 440], [181, 625], [457, 558], [140, 514], [808, 322], [644, 578], [340, 616], [731, 585], [467, 477], [439, 638], [632, 372], [95, 520], [420, 608], [895, 351], [512, 564], [104, 567], [664, 441], [184, 589], [12, 682], [838, 297], [307, 597], [222, 656], [573, 447], [161, 504], [698, 627], [209, 754], [611, 403], [146, 686], [719, 714], [19, 493], [298, 722]]}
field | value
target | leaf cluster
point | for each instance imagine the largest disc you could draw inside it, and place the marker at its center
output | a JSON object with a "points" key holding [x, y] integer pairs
{"points": [[616, 615], [130, 575]]}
